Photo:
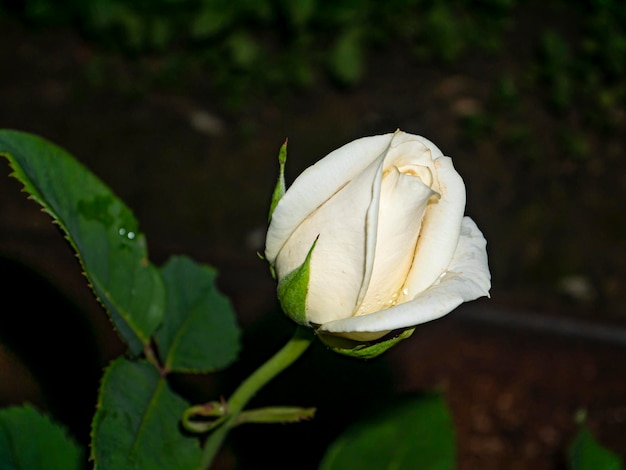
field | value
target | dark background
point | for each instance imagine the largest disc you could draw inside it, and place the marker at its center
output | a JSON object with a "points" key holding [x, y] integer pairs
{"points": [[184, 124]]}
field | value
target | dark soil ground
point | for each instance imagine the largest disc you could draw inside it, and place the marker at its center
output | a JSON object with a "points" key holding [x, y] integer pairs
{"points": [[515, 369]]}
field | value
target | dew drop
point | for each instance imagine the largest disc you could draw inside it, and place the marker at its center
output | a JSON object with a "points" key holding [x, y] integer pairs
{"points": [[440, 278], [126, 233]]}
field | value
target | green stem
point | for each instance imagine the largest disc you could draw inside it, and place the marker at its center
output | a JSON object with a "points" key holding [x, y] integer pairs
{"points": [[298, 343]]}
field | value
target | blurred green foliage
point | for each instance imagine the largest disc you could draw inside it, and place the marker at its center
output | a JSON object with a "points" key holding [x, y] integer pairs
{"points": [[584, 69], [570, 65], [276, 42], [289, 40], [576, 66]]}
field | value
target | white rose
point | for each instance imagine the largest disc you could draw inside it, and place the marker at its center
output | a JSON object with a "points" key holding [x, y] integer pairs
{"points": [[393, 248]]}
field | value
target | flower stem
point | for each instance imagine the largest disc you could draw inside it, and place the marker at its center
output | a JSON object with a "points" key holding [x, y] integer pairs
{"points": [[294, 348]]}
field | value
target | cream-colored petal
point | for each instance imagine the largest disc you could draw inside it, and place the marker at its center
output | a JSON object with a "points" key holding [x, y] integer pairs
{"points": [[402, 205], [434, 150], [467, 278], [317, 184], [440, 229], [338, 263], [411, 150]]}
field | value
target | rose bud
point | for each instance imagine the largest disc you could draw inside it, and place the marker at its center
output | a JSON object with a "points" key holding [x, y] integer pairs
{"points": [[372, 238]]}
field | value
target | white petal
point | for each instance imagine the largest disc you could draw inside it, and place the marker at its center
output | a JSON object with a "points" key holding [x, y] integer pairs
{"points": [[403, 202], [467, 278], [440, 229], [317, 184], [339, 261], [408, 149], [435, 151]]}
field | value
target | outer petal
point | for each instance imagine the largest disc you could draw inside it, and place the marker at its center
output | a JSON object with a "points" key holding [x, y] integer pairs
{"points": [[341, 261], [467, 278], [317, 184]]}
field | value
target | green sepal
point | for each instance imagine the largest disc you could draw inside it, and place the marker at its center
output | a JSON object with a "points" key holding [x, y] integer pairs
{"points": [[280, 188], [276, 414], [271, 266], [293, 289], [361, 349]]}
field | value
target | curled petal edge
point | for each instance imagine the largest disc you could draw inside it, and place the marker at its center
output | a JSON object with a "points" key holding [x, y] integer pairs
{"points": [[327, 176], [467, 278]]}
